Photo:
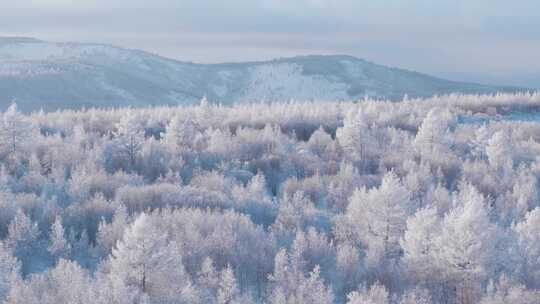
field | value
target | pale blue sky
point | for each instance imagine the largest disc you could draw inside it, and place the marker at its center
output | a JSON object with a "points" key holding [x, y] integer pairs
{"points": [[491, 41]]}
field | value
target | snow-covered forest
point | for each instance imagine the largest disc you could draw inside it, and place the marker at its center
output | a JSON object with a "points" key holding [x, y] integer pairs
{"points": [[369, 202]]}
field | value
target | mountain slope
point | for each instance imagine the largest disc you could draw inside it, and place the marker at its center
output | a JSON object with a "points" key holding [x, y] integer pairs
{"points": [[39, 74]]}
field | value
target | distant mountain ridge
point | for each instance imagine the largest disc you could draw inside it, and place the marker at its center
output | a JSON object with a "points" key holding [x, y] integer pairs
{"points": [[40, 74]]}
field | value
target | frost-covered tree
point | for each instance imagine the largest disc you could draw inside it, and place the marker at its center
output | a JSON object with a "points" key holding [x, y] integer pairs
{"points": [[146, 263], [22, 239], [130, 137], [182, 134], [342, 185], [9, 271], [433, 133], [378, 219], [313, 250], [290, 285], [65, 283], [294, 214], [15, 130], [466, 245], [355, 138], [348, 268], [376, 294], [499, 150], [59, 246], [522, 197], [255, 199], [228, 292], [320, 142], [528, 237], [419, 248], [110, 233], [208, 280]]}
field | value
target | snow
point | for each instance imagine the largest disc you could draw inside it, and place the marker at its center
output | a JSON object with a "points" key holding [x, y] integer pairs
{"points": [[52, 76], [26, 70], [285, 81]]}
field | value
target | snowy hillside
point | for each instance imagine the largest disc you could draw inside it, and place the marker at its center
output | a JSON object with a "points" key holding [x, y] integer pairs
{"points": [[51, 76]]}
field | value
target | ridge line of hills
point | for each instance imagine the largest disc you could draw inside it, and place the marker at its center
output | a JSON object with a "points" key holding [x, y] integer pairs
{"points": [[70, 75]]}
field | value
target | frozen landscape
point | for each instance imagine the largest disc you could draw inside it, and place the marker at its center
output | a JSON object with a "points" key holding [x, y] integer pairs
{"points": [[413, 202], [269, 152]]}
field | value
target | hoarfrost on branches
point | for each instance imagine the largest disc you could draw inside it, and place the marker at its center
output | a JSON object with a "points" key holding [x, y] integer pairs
{"points": [[419, 201]]}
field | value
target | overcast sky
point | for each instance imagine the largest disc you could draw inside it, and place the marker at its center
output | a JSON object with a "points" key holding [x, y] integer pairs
{"points": [[490, 41]]}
